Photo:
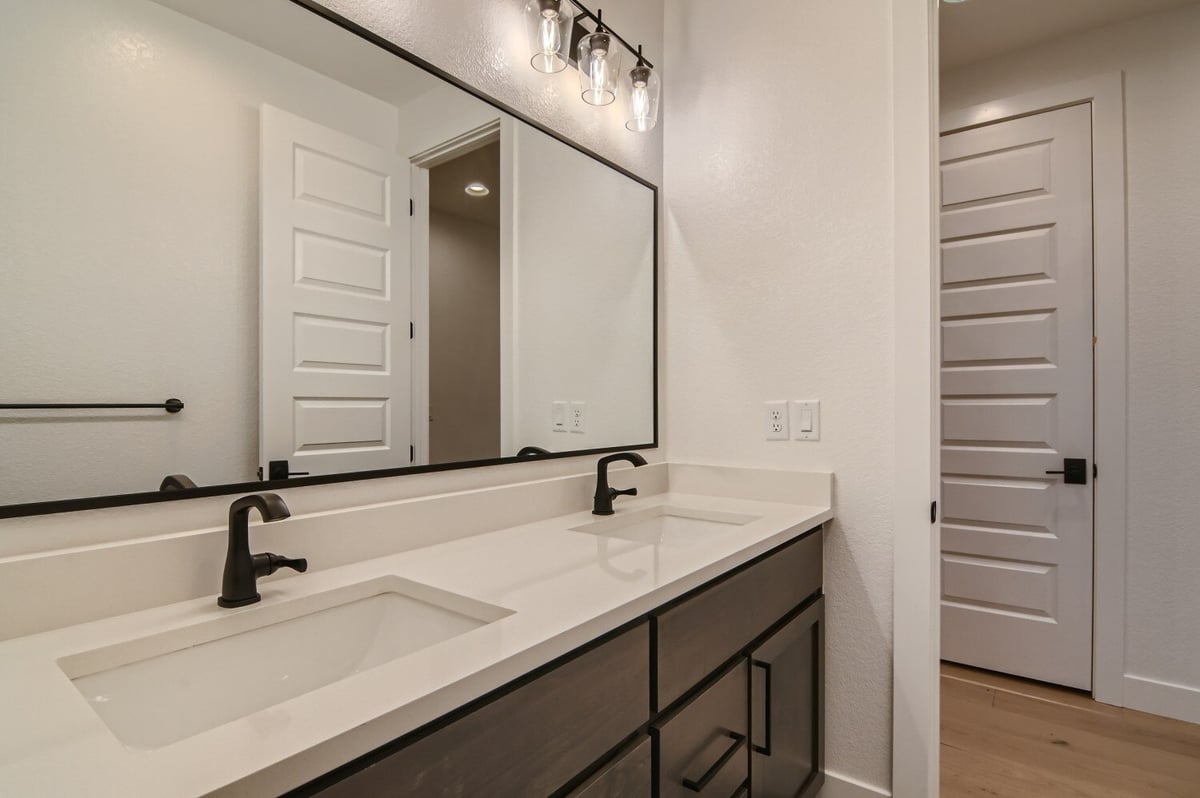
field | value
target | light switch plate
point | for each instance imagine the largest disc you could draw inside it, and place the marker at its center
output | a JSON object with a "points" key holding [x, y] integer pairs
{"points": [[775, 420], [558, 416], [577, 417], [806, 419]]}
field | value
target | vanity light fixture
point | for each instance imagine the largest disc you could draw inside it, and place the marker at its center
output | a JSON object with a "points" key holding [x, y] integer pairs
{"points": [[550, 23], [599, 65], [554, 25], [477, 190], [644, 90]]}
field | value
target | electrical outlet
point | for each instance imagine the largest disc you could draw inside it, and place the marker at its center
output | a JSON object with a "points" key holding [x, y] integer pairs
{"points": [[806, 419], [558, 416], [577, 418], [775, 420]]}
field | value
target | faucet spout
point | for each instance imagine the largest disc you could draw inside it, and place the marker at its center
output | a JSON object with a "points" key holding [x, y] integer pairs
{"points": [[602, 503], [239, 584]]}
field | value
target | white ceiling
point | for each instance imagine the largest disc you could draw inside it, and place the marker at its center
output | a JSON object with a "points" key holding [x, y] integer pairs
{"points": [[979, 29]]}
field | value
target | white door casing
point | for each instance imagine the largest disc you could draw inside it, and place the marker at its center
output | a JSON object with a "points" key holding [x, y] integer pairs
{"points": [[335, 353], [1016, 309]]}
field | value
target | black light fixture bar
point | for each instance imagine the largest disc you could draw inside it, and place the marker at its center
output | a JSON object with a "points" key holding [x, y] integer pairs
{"points": [[587, 12], [171, 406]]}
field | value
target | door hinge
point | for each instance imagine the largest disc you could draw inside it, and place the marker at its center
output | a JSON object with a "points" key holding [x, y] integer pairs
{"points": [[412, 330], [412, 453], [412, 208], [933, 512], [1095, 471]]}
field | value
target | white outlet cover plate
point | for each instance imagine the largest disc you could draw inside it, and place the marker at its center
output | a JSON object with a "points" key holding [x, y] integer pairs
{"points": [[577, 417], [775, 420], [806, 413]]}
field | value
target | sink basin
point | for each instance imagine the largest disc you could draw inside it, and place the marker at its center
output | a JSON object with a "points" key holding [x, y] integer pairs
{"points": [[157, 690], [668, 526]]}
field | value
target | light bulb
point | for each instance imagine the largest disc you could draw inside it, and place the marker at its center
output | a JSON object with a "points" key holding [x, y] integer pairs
{"points": [[549, 36], [599, 66], [550, 24], [644, 87]]}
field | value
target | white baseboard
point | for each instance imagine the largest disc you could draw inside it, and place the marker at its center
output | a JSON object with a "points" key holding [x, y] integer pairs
{"points": [[839, 786], [1177, 701]]}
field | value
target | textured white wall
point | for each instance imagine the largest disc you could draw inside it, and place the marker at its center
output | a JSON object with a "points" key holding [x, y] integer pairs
{"points": [[778, 221], [1160, 55], [130, 177]]}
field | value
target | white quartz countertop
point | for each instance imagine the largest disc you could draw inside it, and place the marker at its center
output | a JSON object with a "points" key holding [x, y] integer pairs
{"points": [[564, 588]]}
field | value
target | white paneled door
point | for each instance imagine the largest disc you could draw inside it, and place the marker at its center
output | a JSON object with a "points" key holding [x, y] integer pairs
{"points": [[335, 356], [1017, 345]]}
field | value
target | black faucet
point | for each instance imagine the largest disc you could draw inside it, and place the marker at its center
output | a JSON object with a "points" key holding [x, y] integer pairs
{"points": [[602, 505], [239, 586]]}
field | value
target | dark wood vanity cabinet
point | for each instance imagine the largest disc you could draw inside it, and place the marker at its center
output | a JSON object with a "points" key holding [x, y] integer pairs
{"points": [[718, 693], [530, 740]]}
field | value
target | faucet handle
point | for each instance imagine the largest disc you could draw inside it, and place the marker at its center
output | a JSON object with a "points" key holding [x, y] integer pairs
{"points": [[268, 563], [626, 492]]}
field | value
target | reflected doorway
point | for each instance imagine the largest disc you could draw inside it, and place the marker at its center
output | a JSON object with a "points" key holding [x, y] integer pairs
{"points": [[464, 307]]}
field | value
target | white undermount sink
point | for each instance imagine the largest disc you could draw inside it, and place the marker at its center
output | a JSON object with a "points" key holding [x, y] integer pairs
{"points": [[667, 525], [159, 689]]}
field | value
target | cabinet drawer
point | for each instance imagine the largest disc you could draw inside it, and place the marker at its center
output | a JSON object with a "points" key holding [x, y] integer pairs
{"points": [[695, 637], [626, 776], [702, 746], [531, 740]]}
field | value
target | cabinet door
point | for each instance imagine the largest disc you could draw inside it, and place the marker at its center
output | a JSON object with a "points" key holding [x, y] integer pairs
{"points": [[702, 747], [788, 708]]}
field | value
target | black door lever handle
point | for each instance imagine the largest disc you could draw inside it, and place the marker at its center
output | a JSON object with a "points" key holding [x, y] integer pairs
{"points": [[1074, 471]]}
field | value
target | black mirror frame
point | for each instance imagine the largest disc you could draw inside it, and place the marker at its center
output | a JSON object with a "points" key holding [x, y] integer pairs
{"points": [[126, 499]]}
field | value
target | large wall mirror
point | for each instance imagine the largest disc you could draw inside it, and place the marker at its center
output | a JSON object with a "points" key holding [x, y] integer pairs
{"points": [[303, 253]]}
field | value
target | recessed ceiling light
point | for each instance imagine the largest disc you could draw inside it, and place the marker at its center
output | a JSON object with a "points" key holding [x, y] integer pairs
{"points": [[477, 190]]}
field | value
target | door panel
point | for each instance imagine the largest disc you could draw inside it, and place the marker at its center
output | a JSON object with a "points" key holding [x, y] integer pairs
{"points": [[335, 355], [1017, 396]]}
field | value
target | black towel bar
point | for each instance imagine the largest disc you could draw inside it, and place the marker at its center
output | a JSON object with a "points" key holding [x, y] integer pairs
{"points": [[171, 406]]}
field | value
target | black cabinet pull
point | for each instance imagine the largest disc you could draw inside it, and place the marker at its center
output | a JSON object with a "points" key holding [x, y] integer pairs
{"points": [[739, 740], [741, 792], [765, 748]]}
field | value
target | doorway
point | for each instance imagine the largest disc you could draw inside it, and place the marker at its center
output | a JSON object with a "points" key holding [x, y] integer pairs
{"points": [[1054, 677], [464, 307]]}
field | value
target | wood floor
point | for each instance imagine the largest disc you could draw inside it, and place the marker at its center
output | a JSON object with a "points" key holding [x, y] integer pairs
{"points": [[1005, 737]]}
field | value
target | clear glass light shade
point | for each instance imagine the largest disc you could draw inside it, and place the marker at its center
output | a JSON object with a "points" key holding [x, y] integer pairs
{"points": [[599, 67], [549, 23], [644, 89]]}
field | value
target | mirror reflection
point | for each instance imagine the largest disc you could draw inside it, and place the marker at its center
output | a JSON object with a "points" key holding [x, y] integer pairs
{"points": [[333, 260]]}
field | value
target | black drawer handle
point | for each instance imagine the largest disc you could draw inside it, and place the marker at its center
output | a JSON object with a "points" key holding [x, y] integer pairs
{"points": [[765, 748], [739, 740], [741, 792]]}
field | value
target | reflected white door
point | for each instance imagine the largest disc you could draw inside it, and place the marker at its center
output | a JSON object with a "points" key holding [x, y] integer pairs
{"points": [[1017, 396], [335, 353]]}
